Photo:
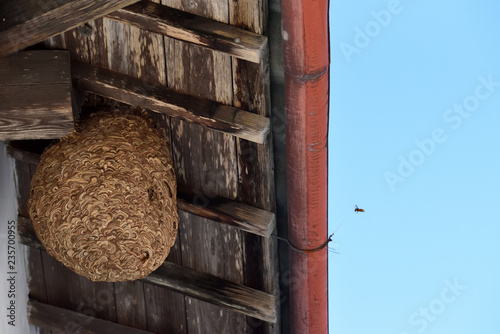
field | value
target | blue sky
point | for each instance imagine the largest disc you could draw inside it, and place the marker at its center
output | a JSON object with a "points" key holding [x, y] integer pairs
{"points": [[414, 140]]}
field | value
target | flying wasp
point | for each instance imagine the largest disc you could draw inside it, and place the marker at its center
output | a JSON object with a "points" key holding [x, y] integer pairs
{"points": [[356, 209]]}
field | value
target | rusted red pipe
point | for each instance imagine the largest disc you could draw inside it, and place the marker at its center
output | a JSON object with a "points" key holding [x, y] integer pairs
{"points": [[306, 60]]}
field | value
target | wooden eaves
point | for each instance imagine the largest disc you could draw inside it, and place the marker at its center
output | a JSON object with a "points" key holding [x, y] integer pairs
{"points": [[232, 80]]}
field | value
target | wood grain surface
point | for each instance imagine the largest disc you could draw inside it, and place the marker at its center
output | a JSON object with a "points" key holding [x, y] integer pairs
{"points": [[35, 95]]}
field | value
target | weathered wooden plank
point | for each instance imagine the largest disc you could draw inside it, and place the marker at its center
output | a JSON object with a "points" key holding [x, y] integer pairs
{"points": [[205, 161], [251, 86], [71, 291], [63, 320], [36, 67], [35, 277], [35, 95], [27, 22], [204, 112], [131, 304], [195, 29], [24, 10], [191, 282], [242, 216], [43, 113], [214, 290], [34, 266], [34, 273], [166, 310], [214, 251], [127, 50]]}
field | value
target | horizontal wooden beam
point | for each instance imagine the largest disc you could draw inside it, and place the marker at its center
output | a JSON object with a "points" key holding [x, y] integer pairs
{"points": [[206, 287], [35, 95], [61, 320], [242, 216], [195, 29], [27, 22], [213, 115]]}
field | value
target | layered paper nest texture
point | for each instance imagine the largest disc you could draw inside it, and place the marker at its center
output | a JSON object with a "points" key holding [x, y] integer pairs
{"points": [[103, 199]]}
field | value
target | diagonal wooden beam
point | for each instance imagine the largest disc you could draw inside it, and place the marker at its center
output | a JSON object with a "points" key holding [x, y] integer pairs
{"points": [[195, 29], [27, 22], [242, 216], [209, 288], [213, 115], [239, 298], [61, 320]]}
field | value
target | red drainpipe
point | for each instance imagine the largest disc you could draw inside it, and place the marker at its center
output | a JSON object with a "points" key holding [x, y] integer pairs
{"points": [[307, 60]]}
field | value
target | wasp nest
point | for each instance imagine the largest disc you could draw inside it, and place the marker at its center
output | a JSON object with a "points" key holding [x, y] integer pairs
{"points": [[103, 199]]}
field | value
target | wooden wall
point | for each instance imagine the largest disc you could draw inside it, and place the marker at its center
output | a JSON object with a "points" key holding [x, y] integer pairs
{"points": [[208, 162]]}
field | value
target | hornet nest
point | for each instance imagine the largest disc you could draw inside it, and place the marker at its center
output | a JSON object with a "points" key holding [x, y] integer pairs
{"points": [[103, 199]]}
